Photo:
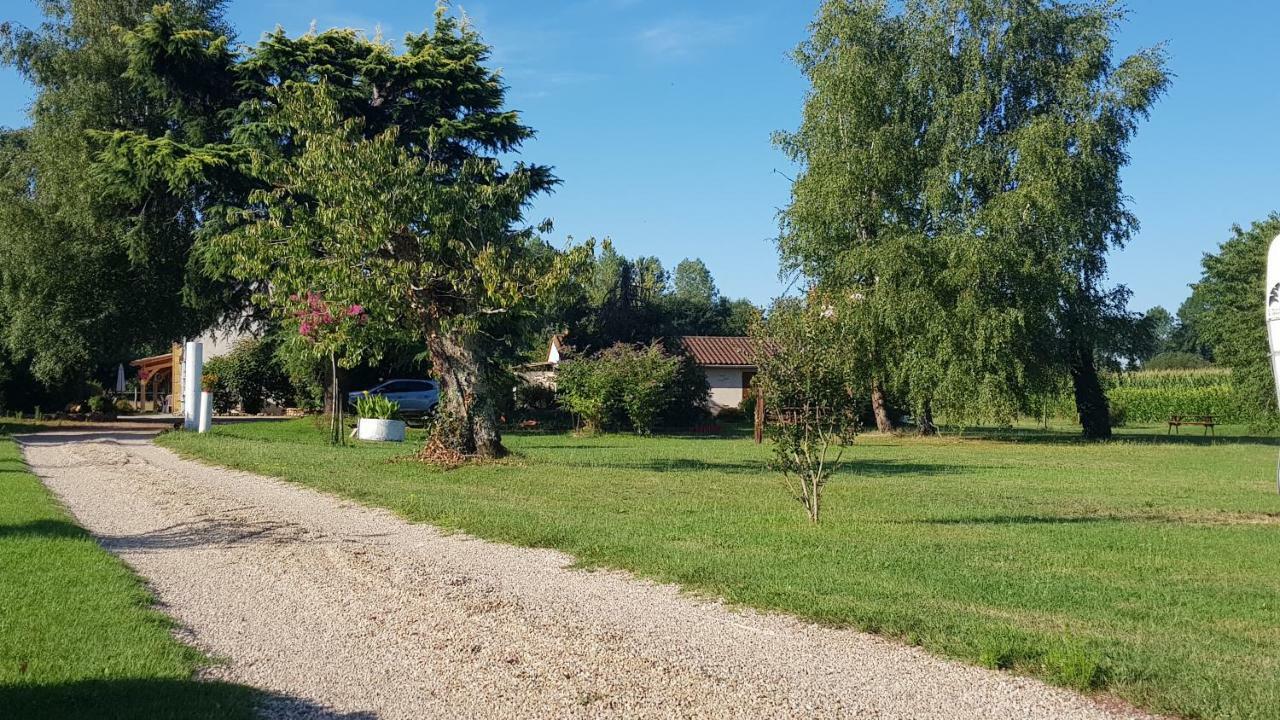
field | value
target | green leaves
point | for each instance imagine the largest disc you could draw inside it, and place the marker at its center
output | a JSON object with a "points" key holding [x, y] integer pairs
{"points": [[96, 238], [810, 379], [960, 172], [1232, 318], [624, 383], [377, 407]]}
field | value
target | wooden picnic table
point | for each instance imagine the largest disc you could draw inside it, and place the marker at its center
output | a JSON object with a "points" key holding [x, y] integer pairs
{"points": [[1205, 421]]}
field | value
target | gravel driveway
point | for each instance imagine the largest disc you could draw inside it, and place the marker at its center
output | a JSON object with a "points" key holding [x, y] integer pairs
{"points": [[355, 610]]}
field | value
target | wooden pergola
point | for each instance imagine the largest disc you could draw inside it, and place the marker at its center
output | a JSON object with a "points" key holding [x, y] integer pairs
{"points": [[159, 377]]}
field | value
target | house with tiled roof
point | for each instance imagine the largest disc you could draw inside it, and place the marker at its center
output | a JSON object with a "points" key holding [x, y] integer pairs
{"points": [[728, 363]]}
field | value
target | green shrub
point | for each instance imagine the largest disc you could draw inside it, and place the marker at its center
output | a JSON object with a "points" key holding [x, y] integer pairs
{"points": [[99, 404], [810, 379], [535, 399], [623, 385], [1118, 412], [589, 390], [687, 405], [376, 407], [250, 376], [731, 415]]}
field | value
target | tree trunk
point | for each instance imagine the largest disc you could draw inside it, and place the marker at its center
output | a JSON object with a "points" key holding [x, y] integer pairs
{"points": [[333, 396], [334, 400], [337, 426], [883, 423], [927, 427], [1091, 401], [468, 398], [759, 419]]}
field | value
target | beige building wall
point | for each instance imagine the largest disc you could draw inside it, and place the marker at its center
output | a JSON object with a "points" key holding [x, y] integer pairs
{"points": [[216, 343], [726, 386]]}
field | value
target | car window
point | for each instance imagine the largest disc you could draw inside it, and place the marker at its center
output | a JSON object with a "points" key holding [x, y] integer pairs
{"points": [[404, 386]]}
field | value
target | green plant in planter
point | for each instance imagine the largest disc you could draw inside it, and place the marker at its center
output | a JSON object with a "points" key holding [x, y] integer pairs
{"points": [[377, 407]]}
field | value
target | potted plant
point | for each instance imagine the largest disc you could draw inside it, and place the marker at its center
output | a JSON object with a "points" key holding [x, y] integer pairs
{"points": [[378, 419]]}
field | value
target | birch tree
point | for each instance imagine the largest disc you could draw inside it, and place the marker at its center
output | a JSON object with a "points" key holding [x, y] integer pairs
{"points": [[960, 174]]}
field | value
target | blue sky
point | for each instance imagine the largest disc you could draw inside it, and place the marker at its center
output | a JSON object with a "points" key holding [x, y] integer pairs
{"points": [[657, 117]]}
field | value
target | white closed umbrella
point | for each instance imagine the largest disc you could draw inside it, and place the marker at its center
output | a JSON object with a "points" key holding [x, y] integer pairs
{"points": [[1273, 318], [120, 378]]}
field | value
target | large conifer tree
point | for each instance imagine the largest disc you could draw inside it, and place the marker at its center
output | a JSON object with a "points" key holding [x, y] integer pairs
{"points": [[346, 170]]}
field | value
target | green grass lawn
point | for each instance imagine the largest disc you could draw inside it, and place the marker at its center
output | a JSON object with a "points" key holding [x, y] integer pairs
{"points": [[1147, 568], [78, 637]]}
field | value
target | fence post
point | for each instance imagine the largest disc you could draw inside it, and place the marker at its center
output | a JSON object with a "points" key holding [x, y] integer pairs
{"points": [[759, 417]]}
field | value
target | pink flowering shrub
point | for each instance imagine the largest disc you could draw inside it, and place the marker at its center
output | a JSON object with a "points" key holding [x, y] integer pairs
{"points": [[316, 319]]}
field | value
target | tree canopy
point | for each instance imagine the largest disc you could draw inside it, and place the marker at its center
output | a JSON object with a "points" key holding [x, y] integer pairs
{"points": [[1233, 319], [343, 178], [637, 301], [92, 276], [960, 180]]}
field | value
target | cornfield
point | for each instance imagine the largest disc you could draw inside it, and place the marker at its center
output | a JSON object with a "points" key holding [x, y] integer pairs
{"points": [[1171, 379], [1156, 395]]}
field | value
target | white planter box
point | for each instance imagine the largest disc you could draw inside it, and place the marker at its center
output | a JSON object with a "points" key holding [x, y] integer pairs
{"points": [[380, 430]]}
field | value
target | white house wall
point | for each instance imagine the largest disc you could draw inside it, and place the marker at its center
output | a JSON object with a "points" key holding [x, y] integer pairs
{"points": [[726, 386]]}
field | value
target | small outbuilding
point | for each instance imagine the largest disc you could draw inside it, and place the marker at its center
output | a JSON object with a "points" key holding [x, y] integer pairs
{"points": [[728, 363]]}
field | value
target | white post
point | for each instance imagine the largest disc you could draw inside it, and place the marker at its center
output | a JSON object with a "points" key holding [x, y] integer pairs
{"points": [[206, 412], [193, 366], [1273, 321]]}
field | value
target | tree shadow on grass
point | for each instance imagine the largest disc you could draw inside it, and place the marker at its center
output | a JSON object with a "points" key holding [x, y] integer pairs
{"points": [[671, 465], [864, 468], [726, 432], [156, 699], [893, 468], [42, 529], [1201, 518], [571, 446], [208, 532], [13, 466], [12, 427], [1030, 520], [57, 436], [1155, 437]]}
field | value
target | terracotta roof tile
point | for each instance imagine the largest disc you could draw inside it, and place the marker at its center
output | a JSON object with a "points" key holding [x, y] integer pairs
{"points": [[709, 350]]}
